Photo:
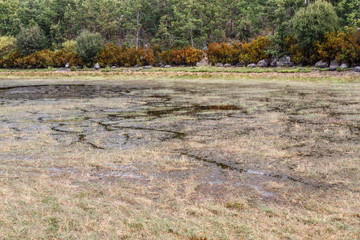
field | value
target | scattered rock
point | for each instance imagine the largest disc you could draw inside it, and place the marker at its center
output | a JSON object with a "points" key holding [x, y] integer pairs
{"points": [[301, 69], [263, 63], [344, 66], [227, 65], [199, 64], [357, 69], [113, 67], [219, 65], [291, 64], [146, 67], [322, 64], [67, 65], [126, 71], [252, 65], [78, 67], [334, 65], [315, 69], [167, 66], [136, 69], [240, 64], [97, 66]]}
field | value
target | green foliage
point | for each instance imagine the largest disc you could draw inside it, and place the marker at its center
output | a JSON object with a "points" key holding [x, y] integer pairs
{"points": [[7, 44], [30, 40], [311, 23], [69, 45], [88, 45]]}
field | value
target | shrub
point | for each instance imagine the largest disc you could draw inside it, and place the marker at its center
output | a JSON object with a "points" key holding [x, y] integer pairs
{"points": [[40, 59], [63, 56], [343, 46], [255, 51], [88, 45], [224, 53], [186, 56], [30, 40], [296, 52], [7, 45], [9, 61], [69, 45], [111, 55]]}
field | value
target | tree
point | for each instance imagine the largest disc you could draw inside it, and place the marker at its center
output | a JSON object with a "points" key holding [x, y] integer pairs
{"points": [[30, 40], [311, 23], [88, 45]]}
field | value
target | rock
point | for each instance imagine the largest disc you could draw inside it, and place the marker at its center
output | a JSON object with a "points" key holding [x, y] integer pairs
{"points": [[334, 65], [113, 67], [240, 64], [357, 69], [146, 67], [284, 61], [322, 64], [227, 65], [344, 66], [252, 65], [315, 69], [167, 66], [78, 67], [136, 69], [273, 62], [291, 64], [97, 66], [263, 63], [199, 64], [293, 67], [219, 65], [301, 69], [126, 71], [67, 65]]}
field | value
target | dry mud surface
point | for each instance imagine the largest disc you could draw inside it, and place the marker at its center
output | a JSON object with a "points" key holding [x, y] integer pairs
{"points": [[285, 153]]}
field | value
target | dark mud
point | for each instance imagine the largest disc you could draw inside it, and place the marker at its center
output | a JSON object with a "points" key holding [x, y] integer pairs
{"points": [[311, 123]]}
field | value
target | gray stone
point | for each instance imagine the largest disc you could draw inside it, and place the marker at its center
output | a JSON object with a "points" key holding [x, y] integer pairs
{"points": [[334, 65], [113, 67], [63, 70], [219, 65], [301, 69], [263, 63], [284, 61], [78, 67], [240, 64], [252, 65], [273, 62], [167, 66], [344, 66], [199, 64], [322, 64], [146, 67], [136, 69], [227, 65], [67, 65], [97, 66], [357, 69], [291, 64]]}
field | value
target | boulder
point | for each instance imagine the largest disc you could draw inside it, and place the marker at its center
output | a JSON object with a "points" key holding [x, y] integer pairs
{"points": [[322, 64], [227, 65], [199, 64], [167, 66], [263, 63], [273, 62], [136, 69], [284, 61], [219, 65], [63, 70], [67, 65], [291, 64], [97, 66], [240, 64], [78, 67], [344, 66], [146, 67], [357, 69], [334, 65], [252, 65], [113, 67]]}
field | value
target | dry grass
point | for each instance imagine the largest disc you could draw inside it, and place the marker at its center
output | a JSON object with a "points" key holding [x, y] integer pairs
{"points": [[56, 185]]}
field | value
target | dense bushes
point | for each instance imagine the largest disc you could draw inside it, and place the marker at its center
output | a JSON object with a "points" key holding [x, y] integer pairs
{"points": [[187, 56], [235, 53], [342, 46], [88, 45]]}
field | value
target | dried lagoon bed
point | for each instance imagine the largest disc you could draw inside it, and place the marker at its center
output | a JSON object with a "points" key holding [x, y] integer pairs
{"points": [[155, 155]]}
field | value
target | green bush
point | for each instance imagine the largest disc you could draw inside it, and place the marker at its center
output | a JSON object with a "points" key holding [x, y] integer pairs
{"points": [[69, 45], [7, 45], [88, 45], [30, 40]]}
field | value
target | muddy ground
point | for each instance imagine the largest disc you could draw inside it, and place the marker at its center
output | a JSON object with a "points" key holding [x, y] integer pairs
{"points": [[249, 146]]}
